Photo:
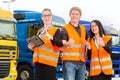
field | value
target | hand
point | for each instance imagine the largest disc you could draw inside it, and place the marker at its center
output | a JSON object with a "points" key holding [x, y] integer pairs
{"points": [[31, 45], [101, 42], [67, 43], [71, 42], [88, 45], [48, 36]]}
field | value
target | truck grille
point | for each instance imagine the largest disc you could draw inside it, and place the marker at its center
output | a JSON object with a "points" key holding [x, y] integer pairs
{"points": [[7, 52], [4, 68], [7, 48]]}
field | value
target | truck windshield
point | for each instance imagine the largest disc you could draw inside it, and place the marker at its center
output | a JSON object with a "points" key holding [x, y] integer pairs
{"points": [[7, 29], [114, 34], [115, 39]]}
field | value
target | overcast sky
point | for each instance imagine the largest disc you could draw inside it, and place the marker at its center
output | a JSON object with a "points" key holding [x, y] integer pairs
{"points": [[107, 11]]}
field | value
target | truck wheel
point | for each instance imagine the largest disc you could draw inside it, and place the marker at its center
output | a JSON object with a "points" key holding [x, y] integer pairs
{"points": [[25, 73], [87, 77]]}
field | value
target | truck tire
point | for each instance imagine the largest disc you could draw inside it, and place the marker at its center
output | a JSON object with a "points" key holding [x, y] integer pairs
{"points": [[25, 73], [87, 77]]}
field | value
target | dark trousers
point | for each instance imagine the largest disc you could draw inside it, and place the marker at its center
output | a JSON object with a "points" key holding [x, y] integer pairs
{"points": [[45, 72], [102, 76]]}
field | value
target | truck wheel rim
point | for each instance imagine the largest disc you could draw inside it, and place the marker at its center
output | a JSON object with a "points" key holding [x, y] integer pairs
{"points": [[24, 75]]}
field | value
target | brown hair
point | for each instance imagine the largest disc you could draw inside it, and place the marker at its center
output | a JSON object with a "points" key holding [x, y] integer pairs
{"points": [[47, 9], [77, 9]]}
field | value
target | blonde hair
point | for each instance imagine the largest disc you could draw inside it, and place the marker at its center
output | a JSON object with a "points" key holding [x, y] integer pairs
{"points": [[75, 8], [47, 9]]}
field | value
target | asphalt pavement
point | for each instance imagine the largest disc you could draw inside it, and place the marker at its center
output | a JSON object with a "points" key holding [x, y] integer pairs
{"points": [[112, 79]]}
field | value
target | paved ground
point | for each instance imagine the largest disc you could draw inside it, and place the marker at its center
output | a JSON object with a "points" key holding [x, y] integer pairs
{"points": [[115, 78], [112, 79]]}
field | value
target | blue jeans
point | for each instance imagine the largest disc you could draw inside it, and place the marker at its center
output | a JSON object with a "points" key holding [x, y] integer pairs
{"points": [[74, 70]]}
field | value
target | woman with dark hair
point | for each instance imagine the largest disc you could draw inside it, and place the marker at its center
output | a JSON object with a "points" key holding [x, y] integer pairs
{"points": [[99, 45]]}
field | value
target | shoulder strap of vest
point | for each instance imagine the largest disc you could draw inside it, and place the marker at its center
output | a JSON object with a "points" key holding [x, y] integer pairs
{"points": [[106, 38], [38, 32], [52, 30], [83, 31], [66, 26]]}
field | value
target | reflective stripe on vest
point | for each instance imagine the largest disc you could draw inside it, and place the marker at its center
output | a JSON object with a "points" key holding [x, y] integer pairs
{"points": [[77, 46], [48, 49], [44, 56], [73, 54], [95, 67], [101, 59], [50, 58], [103, 67]]}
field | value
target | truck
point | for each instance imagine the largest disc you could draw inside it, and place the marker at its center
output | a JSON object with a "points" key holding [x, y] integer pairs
{"points": [[8, 46], [27, 25], [115, 55]]}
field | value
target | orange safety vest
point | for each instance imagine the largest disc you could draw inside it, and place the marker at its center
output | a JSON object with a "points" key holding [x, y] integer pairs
{"points": [[100, 59], [75, 52], [46, 53]]}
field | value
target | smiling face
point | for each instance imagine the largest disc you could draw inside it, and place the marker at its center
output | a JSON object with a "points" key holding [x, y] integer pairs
{"points": [[47, 17], [75, 16], [94, 28]]}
